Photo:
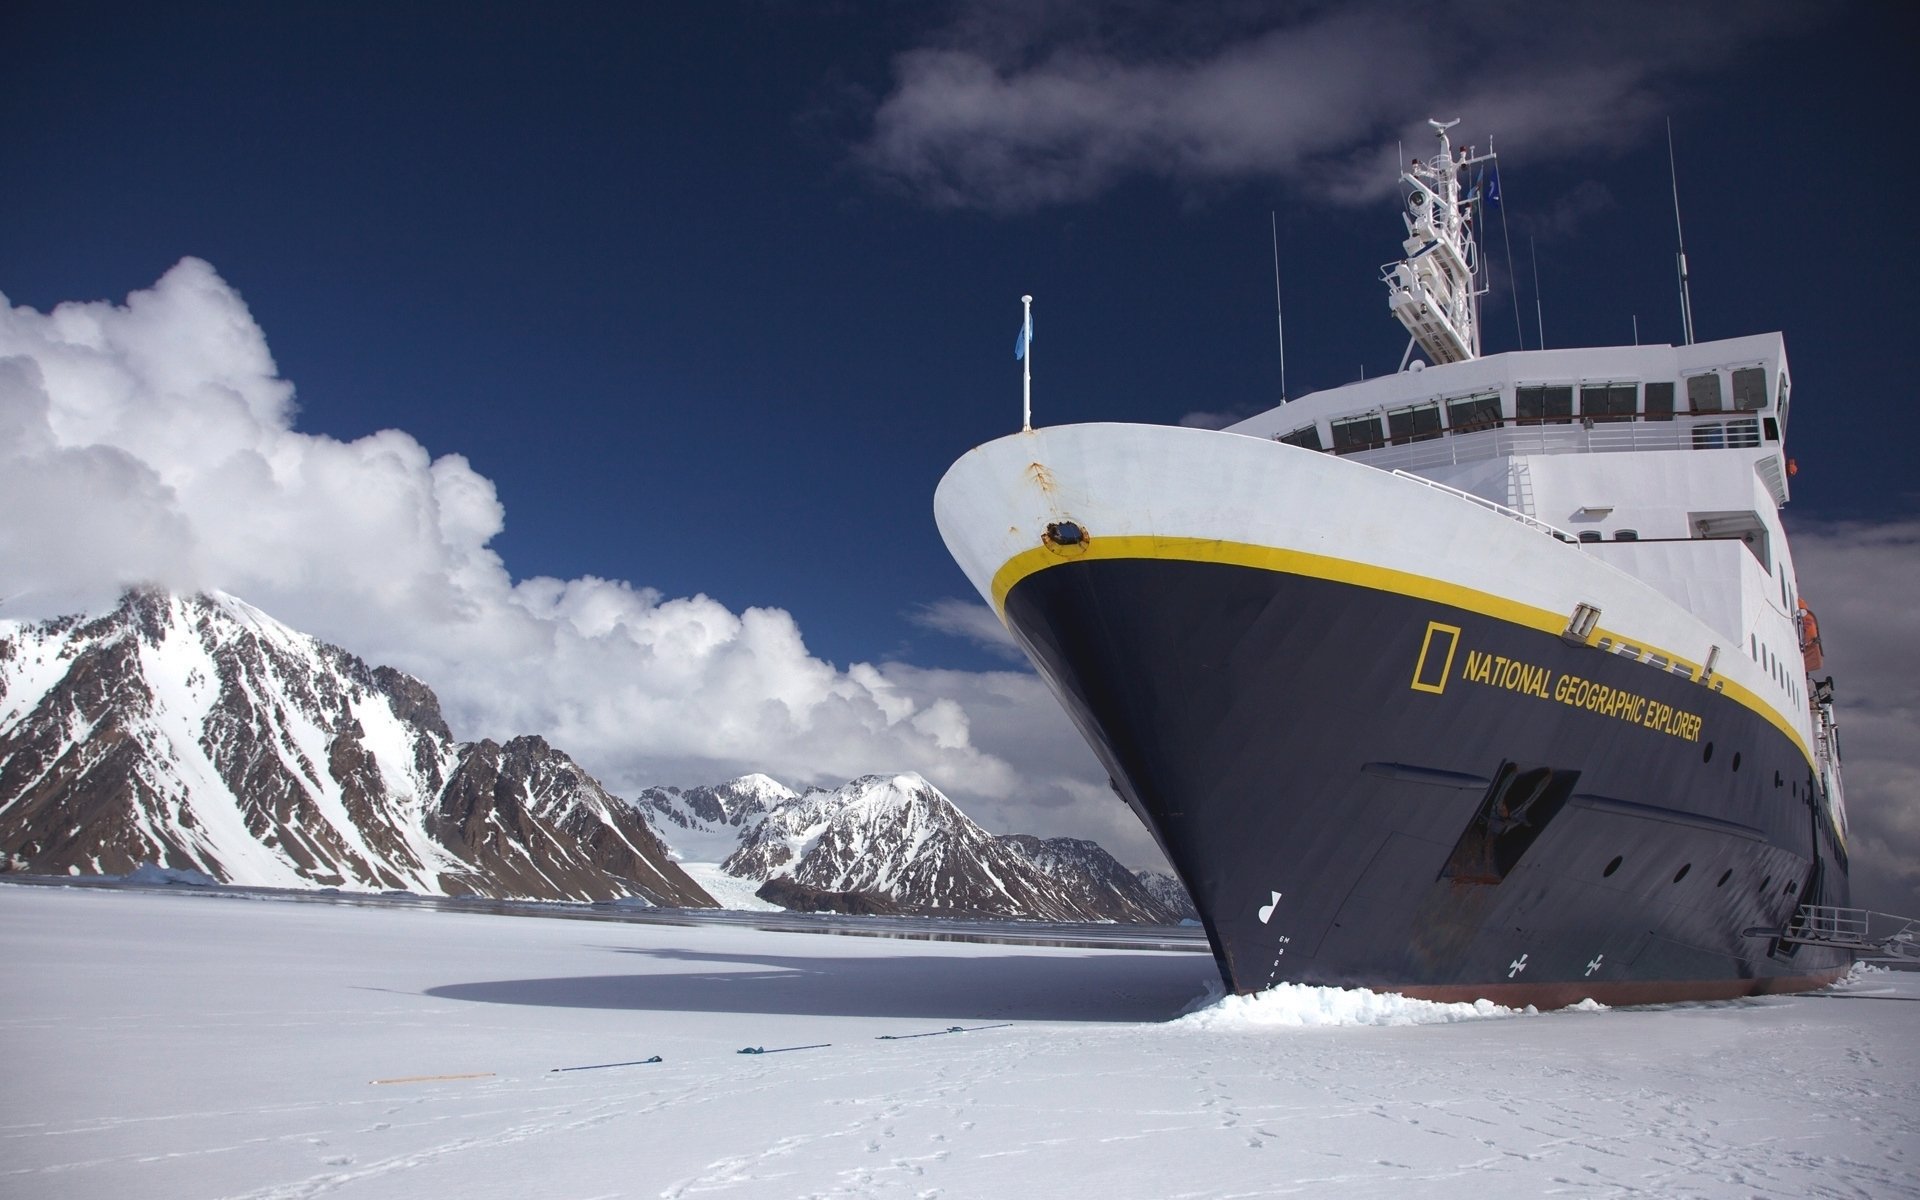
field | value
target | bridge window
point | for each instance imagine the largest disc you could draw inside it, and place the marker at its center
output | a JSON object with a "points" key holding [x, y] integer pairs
{"points": [[1608, 401], [1307, 438], [1417, 424], [1352, 434], [1750, 388], [1660, 401], [1471, 413], [1703, 392], [1543, 405]]}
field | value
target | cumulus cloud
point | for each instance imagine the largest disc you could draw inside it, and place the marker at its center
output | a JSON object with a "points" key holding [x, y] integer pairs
{"points": [[154, 441], [971, 620], [1014, 107], [1861, 578]]}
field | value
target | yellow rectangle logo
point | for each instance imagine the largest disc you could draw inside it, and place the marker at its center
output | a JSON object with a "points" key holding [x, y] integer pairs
{"points": [[1435, 664]]}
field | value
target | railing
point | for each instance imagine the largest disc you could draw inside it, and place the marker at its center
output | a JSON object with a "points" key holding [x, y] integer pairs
{"points": [[1575, 436], [1868, 934], [1492, 506]]}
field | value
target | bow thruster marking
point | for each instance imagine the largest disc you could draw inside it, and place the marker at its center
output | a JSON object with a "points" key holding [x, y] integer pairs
{"points": [[1516, 966]]}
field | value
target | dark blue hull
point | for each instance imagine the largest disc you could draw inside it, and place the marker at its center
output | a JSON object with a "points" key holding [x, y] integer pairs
{"points": [[1368, 789]]}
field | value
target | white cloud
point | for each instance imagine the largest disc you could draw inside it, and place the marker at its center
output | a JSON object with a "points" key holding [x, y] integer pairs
{"points": [[1861, 579], [971, 620], [154, 442], [1015, 107]]}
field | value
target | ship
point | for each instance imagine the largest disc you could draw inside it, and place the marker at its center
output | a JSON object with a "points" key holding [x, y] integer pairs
{"points": [[1488, 678]]}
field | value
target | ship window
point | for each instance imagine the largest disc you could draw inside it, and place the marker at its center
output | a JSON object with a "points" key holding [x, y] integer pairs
{"points": [[1543, 405], [1356, 433], [1626, 535], [1658, 660], [1753, 646], [1750, 388], [1660, 401], [1470, 413], [1783, 399], [1743, 434], [1703, 392], [1612, 866], [1607, 401], [1589, 535], [1726, 875], [1417, 424], [1307, 438], [1682, 872]]}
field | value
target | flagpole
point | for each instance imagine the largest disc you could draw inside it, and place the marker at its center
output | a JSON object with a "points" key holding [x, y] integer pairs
{"points": [[1026, 329]]}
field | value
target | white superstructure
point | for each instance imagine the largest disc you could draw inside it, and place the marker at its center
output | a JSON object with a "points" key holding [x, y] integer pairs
{"points": [[1665, 462]]}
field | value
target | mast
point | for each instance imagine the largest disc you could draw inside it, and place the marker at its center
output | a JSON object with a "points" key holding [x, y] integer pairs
{"points": [[1433, 289]]}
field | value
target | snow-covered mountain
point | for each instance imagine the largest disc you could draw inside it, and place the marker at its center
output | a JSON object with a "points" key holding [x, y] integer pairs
{"points": [[706, 824], [197, 732], [1170, 892], [896, 844]]}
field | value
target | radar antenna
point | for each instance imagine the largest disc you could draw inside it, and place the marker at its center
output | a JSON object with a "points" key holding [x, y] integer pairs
{"points": [[1433, 290]]}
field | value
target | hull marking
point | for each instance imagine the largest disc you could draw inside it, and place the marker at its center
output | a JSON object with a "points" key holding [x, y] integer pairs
{"points": [[1435, 681], [1595, 964], [1516, 966], [1266, 910]]}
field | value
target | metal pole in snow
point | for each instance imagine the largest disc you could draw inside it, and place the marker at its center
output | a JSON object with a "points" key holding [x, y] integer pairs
{"points": [[1026, 357]]}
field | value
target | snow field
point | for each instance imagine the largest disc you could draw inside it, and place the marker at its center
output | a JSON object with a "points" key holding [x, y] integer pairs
{"points": [[214, 1046]]}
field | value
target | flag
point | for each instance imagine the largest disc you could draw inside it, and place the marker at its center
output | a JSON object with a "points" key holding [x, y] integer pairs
{"points": [[1026, 337], [1493, 187]]}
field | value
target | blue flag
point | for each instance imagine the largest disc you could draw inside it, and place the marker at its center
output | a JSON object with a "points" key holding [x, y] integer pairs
{"points": [[1493, 187], [1026, 337]]}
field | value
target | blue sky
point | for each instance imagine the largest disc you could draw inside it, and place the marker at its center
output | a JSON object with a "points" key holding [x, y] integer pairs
{"points": [[713, 293]]}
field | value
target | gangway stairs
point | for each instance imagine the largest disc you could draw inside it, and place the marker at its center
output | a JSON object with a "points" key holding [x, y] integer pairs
{"points": [[1870, 935]]}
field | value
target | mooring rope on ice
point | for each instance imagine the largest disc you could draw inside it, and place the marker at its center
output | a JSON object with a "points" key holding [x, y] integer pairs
{"points": [[781, 1049], [638, 1062], [901, 1037], [652, 1059]]}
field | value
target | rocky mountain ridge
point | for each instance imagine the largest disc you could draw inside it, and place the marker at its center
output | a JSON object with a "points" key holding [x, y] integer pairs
{"points": [[896, 844], [198, 733]]}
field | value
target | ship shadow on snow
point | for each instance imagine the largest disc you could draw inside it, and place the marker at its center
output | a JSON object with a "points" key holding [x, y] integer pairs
{"points": [[1013, 987]]}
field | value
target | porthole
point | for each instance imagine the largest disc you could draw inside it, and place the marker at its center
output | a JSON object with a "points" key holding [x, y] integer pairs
{"points": [[1612, 866], [1736, 760], [1682, 873], [1791, 888], [1706, 756], [1777, 781], [1728, 874], [1765, 884]]}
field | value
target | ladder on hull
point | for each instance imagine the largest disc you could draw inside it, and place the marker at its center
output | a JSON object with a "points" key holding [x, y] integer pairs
{"points": [[1870, 935]]}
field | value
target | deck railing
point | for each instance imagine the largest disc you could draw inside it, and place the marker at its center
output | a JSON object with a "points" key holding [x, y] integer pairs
{"points": [[1492, 506]]}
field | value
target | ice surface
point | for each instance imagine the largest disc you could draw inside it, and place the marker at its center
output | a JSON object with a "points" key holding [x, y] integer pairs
{"points": [[197, 1044], [729, 891]]}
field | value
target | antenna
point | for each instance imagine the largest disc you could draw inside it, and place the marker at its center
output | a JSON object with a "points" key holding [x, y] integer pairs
{"points": [[1636, 329], [1538, 315], [1513, 276], [1686, 300], [1279, 323]]}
